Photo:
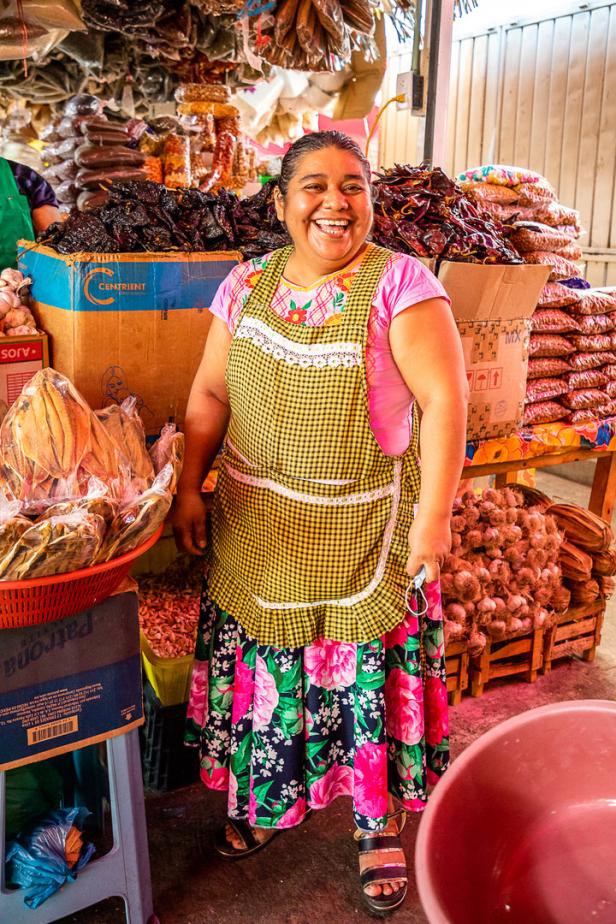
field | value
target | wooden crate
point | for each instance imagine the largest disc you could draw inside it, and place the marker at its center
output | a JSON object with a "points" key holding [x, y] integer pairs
{"points": [[576, 632], [522, 656], [456, 661]]}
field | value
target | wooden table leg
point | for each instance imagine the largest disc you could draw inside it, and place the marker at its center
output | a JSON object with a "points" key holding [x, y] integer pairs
{"points": [[604, 487], [502, 479]]}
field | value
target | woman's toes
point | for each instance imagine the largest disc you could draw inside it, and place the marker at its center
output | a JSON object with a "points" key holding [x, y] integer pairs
{"points": [[373, 890]]}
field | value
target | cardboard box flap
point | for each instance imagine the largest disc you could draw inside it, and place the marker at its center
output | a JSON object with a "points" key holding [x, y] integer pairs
{"points": [[500, 292]]}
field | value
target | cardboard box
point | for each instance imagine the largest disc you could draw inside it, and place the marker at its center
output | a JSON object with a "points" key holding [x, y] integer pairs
{"points": [[122, 324], [492, 306], [20, 359], [69, 683]]}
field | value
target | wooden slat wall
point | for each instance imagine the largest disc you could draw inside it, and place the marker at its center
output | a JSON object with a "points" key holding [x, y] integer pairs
{"points": [[541, 95]]}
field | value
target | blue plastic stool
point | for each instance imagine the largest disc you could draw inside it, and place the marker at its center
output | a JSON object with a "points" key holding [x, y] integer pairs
{"points": [[124, 871]]}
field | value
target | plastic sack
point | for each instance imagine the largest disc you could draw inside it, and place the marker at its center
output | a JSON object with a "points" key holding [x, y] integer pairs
{"points": [[556, 295], [549, 345], [610, 389], [596, 301], [490, 192], [12, 526], [561, 268], [582, 398], [608, 409], [504, 175], [544, 389], [587, 378], [553, 321], [575, 282], [533, 193], [62, 149], [570, 251], [125, 427], [536, 236], [547, 366], [49, 854], [609, 370], [587, 343], [543, 412], [596, 323], [31, 791], [581, 361]]}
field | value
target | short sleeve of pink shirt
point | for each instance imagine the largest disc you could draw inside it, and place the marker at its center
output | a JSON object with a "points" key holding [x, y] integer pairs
{"points": [[404, 283]]}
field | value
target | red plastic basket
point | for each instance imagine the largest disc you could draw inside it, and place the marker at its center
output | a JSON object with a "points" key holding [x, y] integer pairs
{"points": [[26, 603]]}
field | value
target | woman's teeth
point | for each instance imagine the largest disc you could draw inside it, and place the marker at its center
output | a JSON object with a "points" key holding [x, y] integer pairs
{"points": [[332, 228]]}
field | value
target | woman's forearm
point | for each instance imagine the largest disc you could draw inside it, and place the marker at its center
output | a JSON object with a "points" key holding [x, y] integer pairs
{"points": [[205, 426], [442, 450]]}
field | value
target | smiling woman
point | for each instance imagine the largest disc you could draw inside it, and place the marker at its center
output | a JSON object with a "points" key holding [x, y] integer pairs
{"points": [[320, 681]]}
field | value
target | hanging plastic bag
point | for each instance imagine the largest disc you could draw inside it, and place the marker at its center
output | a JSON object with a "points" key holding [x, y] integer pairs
{"points": [[46, 856]]}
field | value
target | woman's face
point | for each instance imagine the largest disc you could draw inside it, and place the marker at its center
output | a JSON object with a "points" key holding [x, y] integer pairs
{"points": [[328, 207]]}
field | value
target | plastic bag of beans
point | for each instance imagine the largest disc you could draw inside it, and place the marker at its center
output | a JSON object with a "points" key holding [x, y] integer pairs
{"points": [[544, 389], [596, 301], [532, 235], [549, 345], [555, 295], [596, 413], [548, 366], [561, 268], [596, 323], [543, 412], [553, 321], [587, 343], [570, 251], [587, 378], [610, 389], [582, 398], [581, 361], [609, 369], [490, 192]]}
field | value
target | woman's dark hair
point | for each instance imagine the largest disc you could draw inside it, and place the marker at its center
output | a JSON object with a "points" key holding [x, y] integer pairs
{"points": [[316, 142]]}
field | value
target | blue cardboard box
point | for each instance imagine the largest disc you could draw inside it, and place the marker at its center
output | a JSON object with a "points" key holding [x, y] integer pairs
{"points": [[69, 683], [121, 324]]}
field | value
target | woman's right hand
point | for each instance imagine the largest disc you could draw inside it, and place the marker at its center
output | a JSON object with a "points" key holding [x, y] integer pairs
{"points": [[188, 521]]}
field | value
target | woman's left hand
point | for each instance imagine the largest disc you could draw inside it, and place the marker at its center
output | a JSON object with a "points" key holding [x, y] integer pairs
{"points": [[429, 543]]}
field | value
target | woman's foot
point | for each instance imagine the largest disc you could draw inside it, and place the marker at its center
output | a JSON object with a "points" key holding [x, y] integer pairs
{"points": [[233, 837], [382, 865]]}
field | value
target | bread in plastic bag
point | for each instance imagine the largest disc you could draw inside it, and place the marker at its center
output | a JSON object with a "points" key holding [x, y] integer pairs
{"points": [[543, 412], [596, 323], [549, 345], [48, 854], [138, 520], [556, 295], [561, 268], [169, 449], [591, 360], [54, 546], [125, 427], [547, 366], [544, 389], [582, 398], [586, 378], [596, 301], [553, 321]]}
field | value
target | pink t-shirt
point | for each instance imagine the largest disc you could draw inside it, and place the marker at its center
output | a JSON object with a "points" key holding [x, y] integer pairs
{"points": [[404, 283]]}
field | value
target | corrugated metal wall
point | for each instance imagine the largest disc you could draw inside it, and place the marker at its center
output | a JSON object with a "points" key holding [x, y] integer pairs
{"points": [[542, 95]]}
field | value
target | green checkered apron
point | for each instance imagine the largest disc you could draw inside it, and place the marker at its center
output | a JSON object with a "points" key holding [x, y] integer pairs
{"points": [[310, 519]]}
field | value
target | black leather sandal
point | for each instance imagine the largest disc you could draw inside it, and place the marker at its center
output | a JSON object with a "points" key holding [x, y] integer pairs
{"points": [[381, 873], [243, 830]]}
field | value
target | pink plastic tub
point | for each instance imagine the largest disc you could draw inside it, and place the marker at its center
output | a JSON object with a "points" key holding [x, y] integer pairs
{"points": [[522, 827]]}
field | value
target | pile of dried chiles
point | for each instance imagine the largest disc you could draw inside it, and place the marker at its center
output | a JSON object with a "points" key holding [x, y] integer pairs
{"points": [[417, 211]]}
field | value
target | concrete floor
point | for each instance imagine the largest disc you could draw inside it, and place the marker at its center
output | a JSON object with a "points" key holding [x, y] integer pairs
{"points": [[308, 875]]}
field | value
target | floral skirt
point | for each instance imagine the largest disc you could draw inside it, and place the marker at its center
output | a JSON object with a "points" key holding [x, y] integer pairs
{"points": [[288, 729]]}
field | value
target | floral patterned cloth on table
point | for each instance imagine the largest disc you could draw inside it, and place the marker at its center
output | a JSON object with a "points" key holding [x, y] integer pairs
{"points": [[288, 729]]}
